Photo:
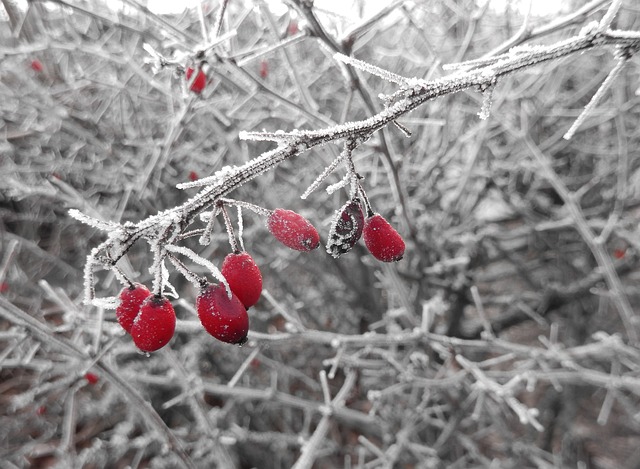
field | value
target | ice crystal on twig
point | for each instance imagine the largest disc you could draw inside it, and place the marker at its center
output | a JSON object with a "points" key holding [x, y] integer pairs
{"points": [[205, 238], [166, 288], [339, 185], [241, 203], [322, 176], [240, 227], [216, 178], [612, 11], [487, 100], [344, 155], [101, 225], [278, 136], [213, 270], [597, 97], [373, 70]]}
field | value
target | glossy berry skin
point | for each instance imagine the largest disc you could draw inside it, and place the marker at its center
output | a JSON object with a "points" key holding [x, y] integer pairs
{"points": [[154, 326], [199, 82], [244, 277], [346, 228], [382, 240], [224, 318], [293, 230], [131, 299]]}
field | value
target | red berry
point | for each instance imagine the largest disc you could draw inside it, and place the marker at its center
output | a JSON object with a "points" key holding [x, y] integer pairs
{"points": [[382, 240], [36, 66], [244, 277], [292, 29], [193, 176], [154, 325], [4, 286], [619, 253], [41, 410], [199, 81], [346, 228], [264, 69], [224, 318], [131, 299], [91, 378], [293, 230]]}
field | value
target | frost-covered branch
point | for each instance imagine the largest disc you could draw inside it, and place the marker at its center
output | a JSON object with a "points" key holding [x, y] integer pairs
{"points": [[166, 226]]}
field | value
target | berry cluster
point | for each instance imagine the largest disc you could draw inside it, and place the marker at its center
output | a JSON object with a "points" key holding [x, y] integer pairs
{"points": [[151, 320], [347, 227], [349, 224]]}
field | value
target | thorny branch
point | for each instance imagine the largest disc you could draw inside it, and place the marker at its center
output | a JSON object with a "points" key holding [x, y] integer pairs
{"points": [[411, 391], [165, 227]]}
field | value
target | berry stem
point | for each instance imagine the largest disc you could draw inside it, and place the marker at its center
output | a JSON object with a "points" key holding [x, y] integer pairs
{"points": [[265, 212], [194, 278], [240, 227], [349, 145], [120, 275], [227, 224], [365, 199]]}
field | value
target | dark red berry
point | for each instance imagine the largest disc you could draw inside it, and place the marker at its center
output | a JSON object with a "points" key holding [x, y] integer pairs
{"points": [[346, 228], [224, 318], [244, 277], [199, 82], [382, 240], [41, 410], [293, 230], [91, 378], [36, 66], [4, 287], [154, 325], [193, 176], [131, 299]]}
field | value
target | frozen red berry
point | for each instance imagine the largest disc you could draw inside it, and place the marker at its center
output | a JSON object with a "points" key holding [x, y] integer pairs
{"points": [[36, 66], [199, 82], [131, 299], [346, 228], [154, 325], [224, 318], [382, 240], [244, 277], [91, 378], [293, 230]]}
